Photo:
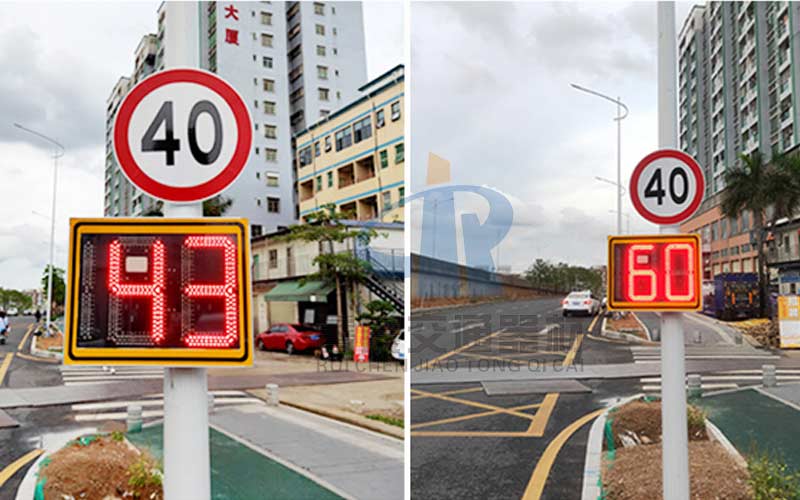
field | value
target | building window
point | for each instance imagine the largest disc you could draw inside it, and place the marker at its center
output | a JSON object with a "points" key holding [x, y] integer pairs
{"points": [[362, 129], [323, 94], [269, 85], [273, 205], [269, 108], [319, 183], [266, 62], [402, 196], [321, 50], [322, 72], [272, 179], [387, 200], [258, 202], [327, 143], [334, 31], [304, 156], [320, 29], [319, 8], [316, 149], [266, 40], [271, 154], [270, 131], [266, 18], [255, 230], [399, 153], [330, 179], [380, 119], [344, 138], [273, 259], [323, 113], [395, 111], [384, 159]]}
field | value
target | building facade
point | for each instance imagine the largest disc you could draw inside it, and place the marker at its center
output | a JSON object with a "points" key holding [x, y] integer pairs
{"points": [[737, 94], [354, 158], [292, 63]]}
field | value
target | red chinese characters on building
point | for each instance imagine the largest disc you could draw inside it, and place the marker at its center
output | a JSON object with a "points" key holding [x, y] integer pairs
{"points": [[231, 11], [232, 36]]}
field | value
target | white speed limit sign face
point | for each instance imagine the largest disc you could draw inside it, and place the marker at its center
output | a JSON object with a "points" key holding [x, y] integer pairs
{"points": [[667, 187], [182, 135]]}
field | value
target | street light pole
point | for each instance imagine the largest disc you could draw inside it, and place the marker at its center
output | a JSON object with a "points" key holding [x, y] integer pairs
{"points": [[620, 107], [627, 221], [58, 153]]}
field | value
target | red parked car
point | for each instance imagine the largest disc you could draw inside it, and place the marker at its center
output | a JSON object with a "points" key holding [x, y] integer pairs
{"points": [[290, 338]]}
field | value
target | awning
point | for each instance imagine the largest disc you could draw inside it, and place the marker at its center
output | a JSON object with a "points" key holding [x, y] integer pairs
{"points": [[293, 291]]}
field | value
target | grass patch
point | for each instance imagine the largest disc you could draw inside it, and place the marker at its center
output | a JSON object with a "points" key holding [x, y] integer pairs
{"points": [[397, 422]]}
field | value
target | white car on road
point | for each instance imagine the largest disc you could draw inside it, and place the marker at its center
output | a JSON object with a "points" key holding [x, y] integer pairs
{"points": [[583, 302], [399, 347]]}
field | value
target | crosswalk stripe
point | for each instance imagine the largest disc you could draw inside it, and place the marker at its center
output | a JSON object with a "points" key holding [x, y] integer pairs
{"points": [[657, 388], [243, 398], [719, 378]]}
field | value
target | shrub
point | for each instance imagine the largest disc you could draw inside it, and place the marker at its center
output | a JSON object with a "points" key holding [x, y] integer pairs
{"points": [[771, 478]]}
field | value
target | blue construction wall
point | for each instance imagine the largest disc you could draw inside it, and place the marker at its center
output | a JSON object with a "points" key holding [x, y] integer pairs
{"points": [[436, 281]]}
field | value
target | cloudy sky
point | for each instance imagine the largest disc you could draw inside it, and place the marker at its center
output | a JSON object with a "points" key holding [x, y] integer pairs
{"points": [[59, 62], [490, 93]]}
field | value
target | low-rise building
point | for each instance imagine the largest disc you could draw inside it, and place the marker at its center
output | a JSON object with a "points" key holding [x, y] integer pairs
{"points": [[281, 296], [354, 158]]}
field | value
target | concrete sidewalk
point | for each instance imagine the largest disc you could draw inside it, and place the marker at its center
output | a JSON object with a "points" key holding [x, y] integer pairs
{"points": [[358, 463]]}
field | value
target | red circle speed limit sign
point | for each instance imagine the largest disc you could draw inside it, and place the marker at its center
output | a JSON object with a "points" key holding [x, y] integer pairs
{"points": [[182, 135], [667, 186]]}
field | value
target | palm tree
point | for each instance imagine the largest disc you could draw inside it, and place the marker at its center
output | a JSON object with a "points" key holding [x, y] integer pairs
{"points": [[756, 186]]}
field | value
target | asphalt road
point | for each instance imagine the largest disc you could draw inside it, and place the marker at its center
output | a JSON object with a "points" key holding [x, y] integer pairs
{"points": [[466, 444], [36, 425]]}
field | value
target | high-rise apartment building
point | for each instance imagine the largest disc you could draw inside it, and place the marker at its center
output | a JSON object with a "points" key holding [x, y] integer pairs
{"points": [[737, 94], [293, 63]]}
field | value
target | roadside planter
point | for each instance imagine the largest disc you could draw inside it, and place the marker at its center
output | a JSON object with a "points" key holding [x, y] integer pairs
{"points": [[623, 456]]}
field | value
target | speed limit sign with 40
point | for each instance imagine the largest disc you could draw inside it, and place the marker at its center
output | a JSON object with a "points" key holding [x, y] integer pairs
{"points": [[667, 186]]}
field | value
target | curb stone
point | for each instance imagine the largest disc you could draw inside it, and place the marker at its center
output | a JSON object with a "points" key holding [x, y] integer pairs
{"points": [[622, 336], [593, 463], [43, 353]]}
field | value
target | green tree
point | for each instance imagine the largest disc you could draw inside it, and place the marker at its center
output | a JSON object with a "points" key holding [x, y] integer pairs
{"points": [[216, 206], [334, 267], [757, 187], [212, 207], [59, 287], [563, 277]]}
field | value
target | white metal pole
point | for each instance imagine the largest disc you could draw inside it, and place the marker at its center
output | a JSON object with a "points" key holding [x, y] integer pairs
{"points": [[187, 471], [48, 316], [675, 442], [619, 166]]}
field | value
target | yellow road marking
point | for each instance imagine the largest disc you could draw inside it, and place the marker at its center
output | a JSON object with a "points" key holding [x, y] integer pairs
{"points": [[493, 434], [591, 325], [25, 337], [542, 471], [573, 350], [451, 393], [484, 356], [470, 416], [13, 467], [4, 366], [539, 422], [464, 347], [475, 404]]}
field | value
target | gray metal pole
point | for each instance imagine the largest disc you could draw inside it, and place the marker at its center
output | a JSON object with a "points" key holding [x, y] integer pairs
{"points": [[48, 316], [619, 166], [185, 389], [675, 441]]}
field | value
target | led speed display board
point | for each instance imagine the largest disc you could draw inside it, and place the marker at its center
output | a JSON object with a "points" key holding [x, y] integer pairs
{"points": [[654, 273], [152, 291]]}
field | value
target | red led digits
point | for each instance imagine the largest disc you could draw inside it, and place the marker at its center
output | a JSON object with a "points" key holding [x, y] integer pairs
{"points": [[654, 272], [678, 274], [154, 289], [225, 290], [643, 288]]}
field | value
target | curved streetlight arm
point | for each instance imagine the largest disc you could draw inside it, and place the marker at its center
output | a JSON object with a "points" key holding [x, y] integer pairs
{"points": [[607, 98], [609, 181], [58, 154]]}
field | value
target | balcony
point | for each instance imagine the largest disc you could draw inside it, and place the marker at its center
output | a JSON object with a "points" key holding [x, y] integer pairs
{"points": [[345, 176], [367, 208], [365, 169], [307, 190]]}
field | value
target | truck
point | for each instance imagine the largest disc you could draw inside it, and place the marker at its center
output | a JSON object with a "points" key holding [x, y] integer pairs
{"points": [[731, 296]]}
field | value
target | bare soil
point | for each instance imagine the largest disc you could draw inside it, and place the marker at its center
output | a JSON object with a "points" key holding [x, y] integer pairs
{"points": [[100, 469], [46, 343], [626, 324], [635, 474], [644, 420]]}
